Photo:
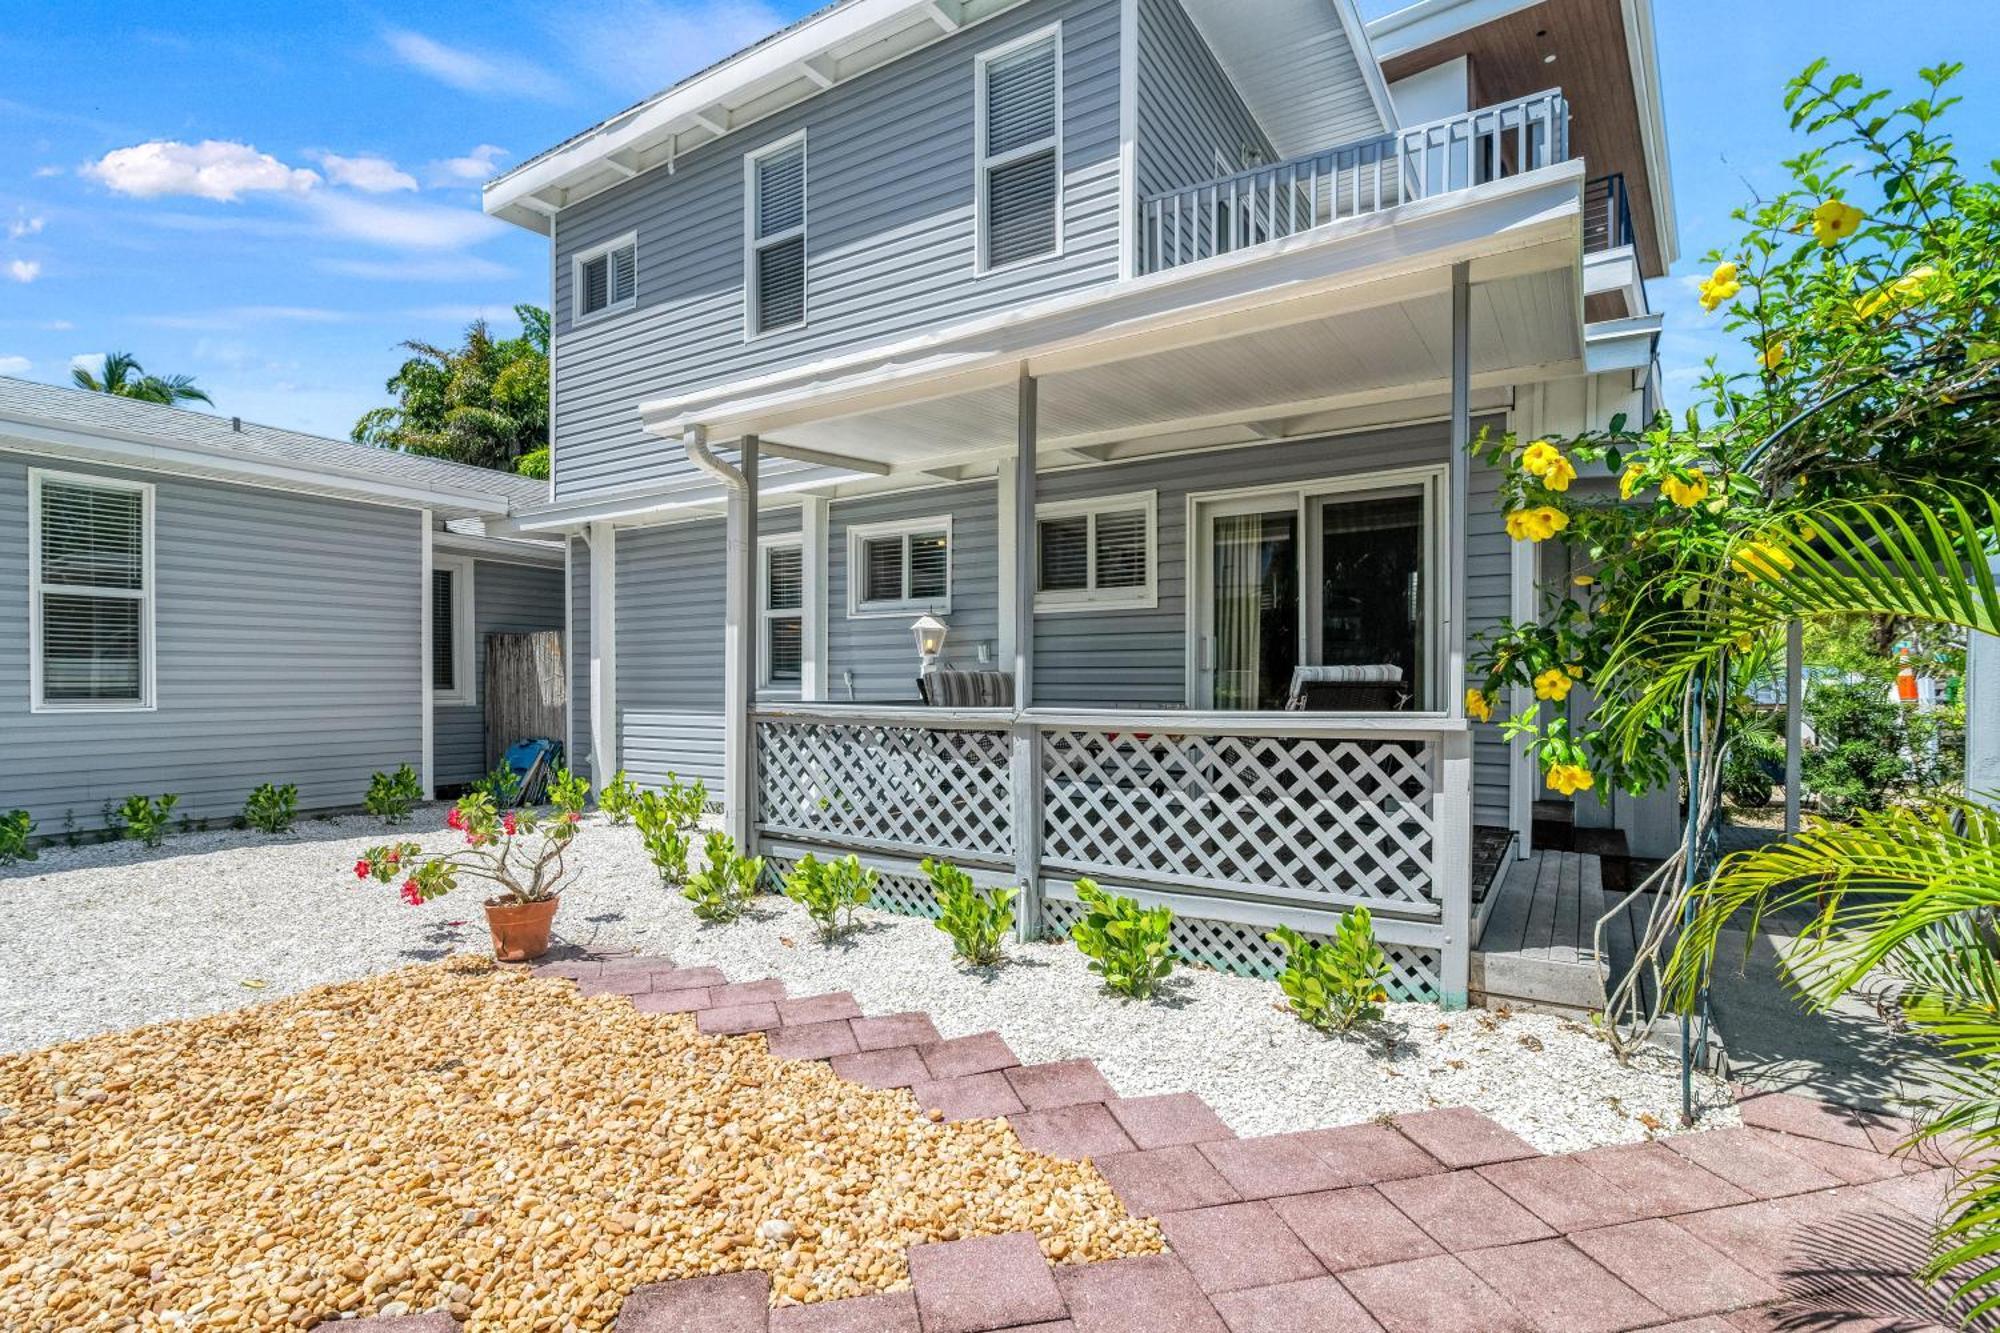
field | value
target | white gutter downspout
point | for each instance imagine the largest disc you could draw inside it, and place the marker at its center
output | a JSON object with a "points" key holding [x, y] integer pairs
{"points": [[739, 643]]}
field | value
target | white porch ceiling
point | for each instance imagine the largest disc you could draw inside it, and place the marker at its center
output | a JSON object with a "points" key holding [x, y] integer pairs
{"points": [[1303, 67]]}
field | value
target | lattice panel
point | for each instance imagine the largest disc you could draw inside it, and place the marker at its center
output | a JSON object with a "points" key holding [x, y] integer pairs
{"points": [[932, 792], [905, 895], [1227, 946], [1335, 819]]}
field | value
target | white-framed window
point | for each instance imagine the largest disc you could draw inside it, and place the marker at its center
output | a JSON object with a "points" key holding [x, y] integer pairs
{"points": [[90, 593], [899, 568], [781, 607], [453, 654], [605, 278], [774, 236], [1017, 140], [1097, 554]]}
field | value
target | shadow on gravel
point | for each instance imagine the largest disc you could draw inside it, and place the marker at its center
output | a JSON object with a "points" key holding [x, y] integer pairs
{"points": [[441, 939]]}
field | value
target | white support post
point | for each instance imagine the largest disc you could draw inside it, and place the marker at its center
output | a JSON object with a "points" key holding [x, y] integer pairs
{"points": [[603, 655], [1453, 815], [1019, 610], [426, 690], [1453, 809], [1003, 503], [813, 526], [1982, 717], [739, 688], [1795, 715], [1524, 605]]}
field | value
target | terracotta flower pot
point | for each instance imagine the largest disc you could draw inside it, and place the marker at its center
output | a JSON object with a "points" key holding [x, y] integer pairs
{"points": [[521, 930]]}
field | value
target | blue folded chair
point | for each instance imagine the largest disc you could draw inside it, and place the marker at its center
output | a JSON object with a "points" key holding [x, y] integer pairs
{"points": [[532, 762]]}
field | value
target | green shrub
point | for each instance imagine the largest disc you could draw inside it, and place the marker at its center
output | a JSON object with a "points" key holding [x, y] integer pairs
{"points": [[499, 785], [1335, 984], [271, 809], [147, 818], [15, 830], [977, 922], [724, 886], [391, 796], [666, 820], [1127, 944], [569, 792], [1857, 762], [830, 891], [617, 797]]}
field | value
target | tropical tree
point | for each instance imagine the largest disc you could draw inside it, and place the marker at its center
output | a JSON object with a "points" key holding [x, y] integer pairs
{"points": [[122, 375], [484, 402]]}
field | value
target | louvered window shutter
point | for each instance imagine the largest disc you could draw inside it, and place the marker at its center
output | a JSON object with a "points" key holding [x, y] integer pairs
{"points": [[624, 273], [882, 569], [1065, 554], [1121, 548], [780, 217], [92, 593], [596, 284], [444, 648], [784, 599], [929, 561], [786, 587], [1022, 174]]}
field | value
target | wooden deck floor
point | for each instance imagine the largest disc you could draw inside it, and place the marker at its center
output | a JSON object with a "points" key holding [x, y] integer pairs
{"points": [[1536, 947]]}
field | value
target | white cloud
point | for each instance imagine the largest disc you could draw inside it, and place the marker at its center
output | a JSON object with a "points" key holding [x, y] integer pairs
{"points": [[235, 317], [90, 361], [43, 173], [465, 314], [23, 225], [370, 175], [402, 226], [24, 270], [470, 71], [212, 169], [644, 45], [429, 268], [473, 168], [15, 365], [58, 326]]}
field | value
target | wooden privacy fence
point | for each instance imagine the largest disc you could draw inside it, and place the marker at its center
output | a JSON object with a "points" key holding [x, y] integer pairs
{"points": [[1239, 822], [527, 694]]}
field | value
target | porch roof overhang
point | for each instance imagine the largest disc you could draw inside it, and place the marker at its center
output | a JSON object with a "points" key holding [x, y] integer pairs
{"points": [[1623, 344], [1351, 313]]}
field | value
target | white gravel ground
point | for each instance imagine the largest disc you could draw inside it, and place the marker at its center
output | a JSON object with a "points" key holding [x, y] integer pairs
{"points": [[112, 936]]}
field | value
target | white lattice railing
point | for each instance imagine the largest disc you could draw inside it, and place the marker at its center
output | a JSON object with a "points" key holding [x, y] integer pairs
{"points": [[927, 782]]}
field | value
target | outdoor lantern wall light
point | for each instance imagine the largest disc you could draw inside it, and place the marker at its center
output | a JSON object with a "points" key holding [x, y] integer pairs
{"points": [[929, 633]]}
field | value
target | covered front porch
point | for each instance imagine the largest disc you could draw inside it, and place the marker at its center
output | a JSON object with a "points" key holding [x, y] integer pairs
{"points": [[1205, 793]]}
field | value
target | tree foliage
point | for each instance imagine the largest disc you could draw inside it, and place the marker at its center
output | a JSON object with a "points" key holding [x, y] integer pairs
{"points": [[123, 376], [484, 402]]}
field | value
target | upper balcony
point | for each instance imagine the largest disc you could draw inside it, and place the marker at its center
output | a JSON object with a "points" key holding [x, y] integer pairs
{"points": [[1318, 189]]}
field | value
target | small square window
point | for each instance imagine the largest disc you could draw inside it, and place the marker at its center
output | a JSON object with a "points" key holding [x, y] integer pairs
{"points": [[1096, 554], [606, 278], [899, 567]]}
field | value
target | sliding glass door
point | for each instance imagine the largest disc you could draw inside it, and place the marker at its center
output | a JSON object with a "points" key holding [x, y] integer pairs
{"points": [[1254, 574]]}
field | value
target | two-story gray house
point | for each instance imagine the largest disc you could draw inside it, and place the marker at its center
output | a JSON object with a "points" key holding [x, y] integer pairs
{"points": [[1136, 343]]}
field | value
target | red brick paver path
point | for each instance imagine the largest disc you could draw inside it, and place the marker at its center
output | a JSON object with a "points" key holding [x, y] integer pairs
{"points": [[1809, 1217]]}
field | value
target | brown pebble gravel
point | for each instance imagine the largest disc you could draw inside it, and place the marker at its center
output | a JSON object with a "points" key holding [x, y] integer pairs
{"points": [[457, 1136]]}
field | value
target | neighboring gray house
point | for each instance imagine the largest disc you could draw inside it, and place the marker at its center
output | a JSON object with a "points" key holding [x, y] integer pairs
{"points": [[1139, 342], [200, 605]]}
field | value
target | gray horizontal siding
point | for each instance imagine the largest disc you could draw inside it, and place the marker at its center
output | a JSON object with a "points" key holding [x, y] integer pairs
{"points": [[506, 599], [890, 247], [1489, 599], [1188, 109], [670, 602], [873, 658], [287, 651]]}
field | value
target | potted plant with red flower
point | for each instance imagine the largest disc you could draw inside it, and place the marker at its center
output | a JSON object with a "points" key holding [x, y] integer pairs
{"points": [[522, 856]]}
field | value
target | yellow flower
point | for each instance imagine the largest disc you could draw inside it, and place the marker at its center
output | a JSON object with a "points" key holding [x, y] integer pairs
{"points": [[1569, 779], [1583, 580], [1745, 642], [1834, 221], [1867, 307], [1539, 457], [1911, 285], [1760, 560], [1560, 474], [1478, 707], [1689, 493], [1537, 524], [1553, 684], [1719, 286], [1633, 478], [1574, 670], [1773, 353]]}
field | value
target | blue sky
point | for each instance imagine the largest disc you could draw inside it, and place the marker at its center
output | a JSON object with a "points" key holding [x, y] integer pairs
{"points": [[335, 212]]}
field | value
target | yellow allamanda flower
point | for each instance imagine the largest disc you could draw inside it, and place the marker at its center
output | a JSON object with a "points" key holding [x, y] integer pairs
{"points": [[1773, 353], [1582, 580], [1569, 779], [1834, 221], [1631, 480], [1538, 457], [1689, 492], [1537, 524], [1553, 684], [1477, 706], [1560, 474], [1719, 286], [1574, 670], [1761, 560]]}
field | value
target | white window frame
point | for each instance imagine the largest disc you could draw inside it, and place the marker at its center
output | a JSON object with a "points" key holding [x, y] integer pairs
{"points": [[577, 314], [1145, 597], [753, 244], [859, 533], [982, 164], [464, 691], [766, 614], [148, 697]]}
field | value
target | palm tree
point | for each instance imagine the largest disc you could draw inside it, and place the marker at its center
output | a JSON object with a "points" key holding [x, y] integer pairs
{"points": [[123, 376]]}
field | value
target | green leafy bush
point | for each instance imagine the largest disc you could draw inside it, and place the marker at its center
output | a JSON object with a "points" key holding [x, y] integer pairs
{"points": [[977, 922], [724, 886], [147, 818], [617, 798], [830, 891], [1127, 944], [569, 792], [499, 785], [1338, 983], [391, 796], [666, 820], [15, 830], [271, 808], [1857, 762]]}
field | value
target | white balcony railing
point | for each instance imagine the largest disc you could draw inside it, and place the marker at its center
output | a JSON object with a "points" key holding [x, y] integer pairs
{"points": [[1281, 199]]}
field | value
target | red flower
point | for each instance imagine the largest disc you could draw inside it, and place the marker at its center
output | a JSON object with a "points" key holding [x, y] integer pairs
{"points": [[395, 858], [573, 817], [454, 819], [507, 823], [411, 894], [362, 869]]}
